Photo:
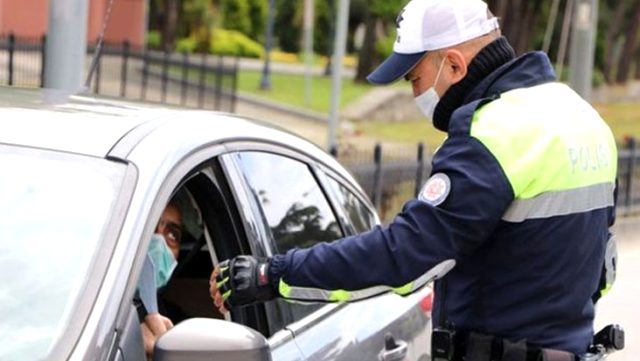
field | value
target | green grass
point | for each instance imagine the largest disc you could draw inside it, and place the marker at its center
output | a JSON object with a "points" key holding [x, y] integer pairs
{"points": [[409, 132], [623, 118], [290, 89]]}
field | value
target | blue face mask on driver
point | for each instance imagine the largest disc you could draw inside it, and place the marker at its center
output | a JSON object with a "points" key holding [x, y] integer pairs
{"points": [[163, 260]]}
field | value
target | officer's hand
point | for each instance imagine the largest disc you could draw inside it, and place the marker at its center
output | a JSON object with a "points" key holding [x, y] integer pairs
{"points": [[241, 281], [216, 296]]}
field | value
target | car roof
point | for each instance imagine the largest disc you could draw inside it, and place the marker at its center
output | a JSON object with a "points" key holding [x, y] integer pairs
{"points": [[101, 127], [78, 124], [90, 125]]}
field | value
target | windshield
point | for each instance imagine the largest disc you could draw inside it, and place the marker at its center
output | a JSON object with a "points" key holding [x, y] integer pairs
{"points": [[53, 212]]}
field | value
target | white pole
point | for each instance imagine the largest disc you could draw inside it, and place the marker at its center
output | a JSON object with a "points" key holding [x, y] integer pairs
{"points": [[308, 49], [66, 45], [583, 47], [336, 72]]}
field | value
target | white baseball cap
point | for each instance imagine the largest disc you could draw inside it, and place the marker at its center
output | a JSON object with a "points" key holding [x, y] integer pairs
{"points": [[426, 25]]}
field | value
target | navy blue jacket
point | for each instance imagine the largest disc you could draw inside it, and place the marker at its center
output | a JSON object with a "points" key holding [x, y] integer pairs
{"points": [[532, 279]]}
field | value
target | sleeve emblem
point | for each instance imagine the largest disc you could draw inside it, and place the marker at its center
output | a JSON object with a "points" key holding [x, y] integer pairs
{"points": [[436, 189]]}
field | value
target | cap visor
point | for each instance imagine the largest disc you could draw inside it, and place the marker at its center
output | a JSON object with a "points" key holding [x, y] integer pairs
{"points": [[395, 67]]}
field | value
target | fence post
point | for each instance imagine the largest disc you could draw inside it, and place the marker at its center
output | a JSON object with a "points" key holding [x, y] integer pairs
{"points": [[234, 93], [145, 74], [96, 88], [43, 59], [218, 84], [203, 63], [334, 151], [631, 144], [183, 82], [377, 176], [420, 168], [123, 71], [12, 45], [165, 75]]}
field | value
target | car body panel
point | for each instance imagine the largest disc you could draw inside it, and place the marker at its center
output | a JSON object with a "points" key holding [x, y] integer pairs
{"points": [[159, 146]]}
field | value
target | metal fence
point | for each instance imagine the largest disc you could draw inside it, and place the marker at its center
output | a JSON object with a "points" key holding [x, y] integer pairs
{"points": [[392, 176], [629, 178], [202, 81]]}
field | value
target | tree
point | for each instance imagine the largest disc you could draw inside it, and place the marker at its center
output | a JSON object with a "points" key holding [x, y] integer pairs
{"points": [[164, 16], [630, 45], [236, 15], [612, 33], [258, 16], [196, 21], [383, 12], [288, 25]]}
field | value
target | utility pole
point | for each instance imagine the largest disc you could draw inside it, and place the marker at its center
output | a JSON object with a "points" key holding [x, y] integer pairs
{"points": [[336, 70], [308, 49], [265, 83], [585, 22], [66, 45]]}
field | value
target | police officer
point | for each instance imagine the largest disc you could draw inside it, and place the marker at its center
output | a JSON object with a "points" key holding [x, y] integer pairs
{"points": [[520, 199]]}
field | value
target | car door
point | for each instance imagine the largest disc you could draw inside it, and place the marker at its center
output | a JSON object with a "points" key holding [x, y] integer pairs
{"points": [[294, 210]]}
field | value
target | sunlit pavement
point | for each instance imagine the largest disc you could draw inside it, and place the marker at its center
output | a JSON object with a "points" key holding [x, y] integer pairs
{"points": [[622, 304]]}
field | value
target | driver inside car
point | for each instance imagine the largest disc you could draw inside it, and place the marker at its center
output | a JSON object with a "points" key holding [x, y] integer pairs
{"points": [[160, 262]]}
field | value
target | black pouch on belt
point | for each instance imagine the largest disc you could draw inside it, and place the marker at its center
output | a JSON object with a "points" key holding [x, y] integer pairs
{"points": [[478, 347], [514, 351]]}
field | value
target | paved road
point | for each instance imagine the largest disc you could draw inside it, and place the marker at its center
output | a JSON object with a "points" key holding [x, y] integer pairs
{"points": [[621, 305]]}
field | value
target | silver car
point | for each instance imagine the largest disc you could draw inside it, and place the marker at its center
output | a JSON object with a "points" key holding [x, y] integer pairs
{"points": [[83, 185]]}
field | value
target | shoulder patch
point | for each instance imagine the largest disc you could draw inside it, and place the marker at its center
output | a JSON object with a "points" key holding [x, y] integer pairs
{"points": [[436, 189]]}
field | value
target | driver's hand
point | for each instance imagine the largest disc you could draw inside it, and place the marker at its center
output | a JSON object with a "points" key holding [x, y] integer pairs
{"points": [[154, 326]]}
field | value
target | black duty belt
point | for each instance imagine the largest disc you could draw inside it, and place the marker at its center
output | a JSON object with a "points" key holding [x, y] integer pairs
{"points": [[471, 346]]}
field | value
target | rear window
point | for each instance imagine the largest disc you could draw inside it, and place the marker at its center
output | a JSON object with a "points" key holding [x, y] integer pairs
{"points": [[53, 212]]}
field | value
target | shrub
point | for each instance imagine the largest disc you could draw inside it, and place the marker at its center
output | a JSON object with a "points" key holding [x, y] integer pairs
{"points": [[188, 45], [231, 42], [154, 39]]}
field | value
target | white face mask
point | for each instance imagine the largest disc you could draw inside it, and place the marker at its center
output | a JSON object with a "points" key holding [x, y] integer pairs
{"points": [[428, 100]]}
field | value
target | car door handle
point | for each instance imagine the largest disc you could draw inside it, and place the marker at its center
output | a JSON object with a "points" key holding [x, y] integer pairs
{"points": [[393, 350]]}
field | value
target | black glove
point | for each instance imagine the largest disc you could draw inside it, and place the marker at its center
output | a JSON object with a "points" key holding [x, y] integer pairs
{"points": [[244, 280]]}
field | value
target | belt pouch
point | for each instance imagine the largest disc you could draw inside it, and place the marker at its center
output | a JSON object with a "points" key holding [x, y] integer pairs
{"points": [[478, 347], [514, 351]]}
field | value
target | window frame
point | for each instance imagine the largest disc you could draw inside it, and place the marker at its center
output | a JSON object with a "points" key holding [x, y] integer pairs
{"points": [[326, 176], [242, 190]]}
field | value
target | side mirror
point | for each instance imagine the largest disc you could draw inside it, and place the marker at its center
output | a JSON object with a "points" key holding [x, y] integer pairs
{"points": [[200, 339]]}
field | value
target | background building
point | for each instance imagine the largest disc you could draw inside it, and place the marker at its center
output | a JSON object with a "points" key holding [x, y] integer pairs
{"points": [[29, 19]]}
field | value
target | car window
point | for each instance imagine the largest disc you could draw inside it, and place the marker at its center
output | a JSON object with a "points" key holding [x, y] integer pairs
{"points": [[293, 206], [360, 216], [54, 211]]}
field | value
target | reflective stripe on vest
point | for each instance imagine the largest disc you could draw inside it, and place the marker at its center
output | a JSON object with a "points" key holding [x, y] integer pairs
{"points": [[557, 153], [307, 294]]}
